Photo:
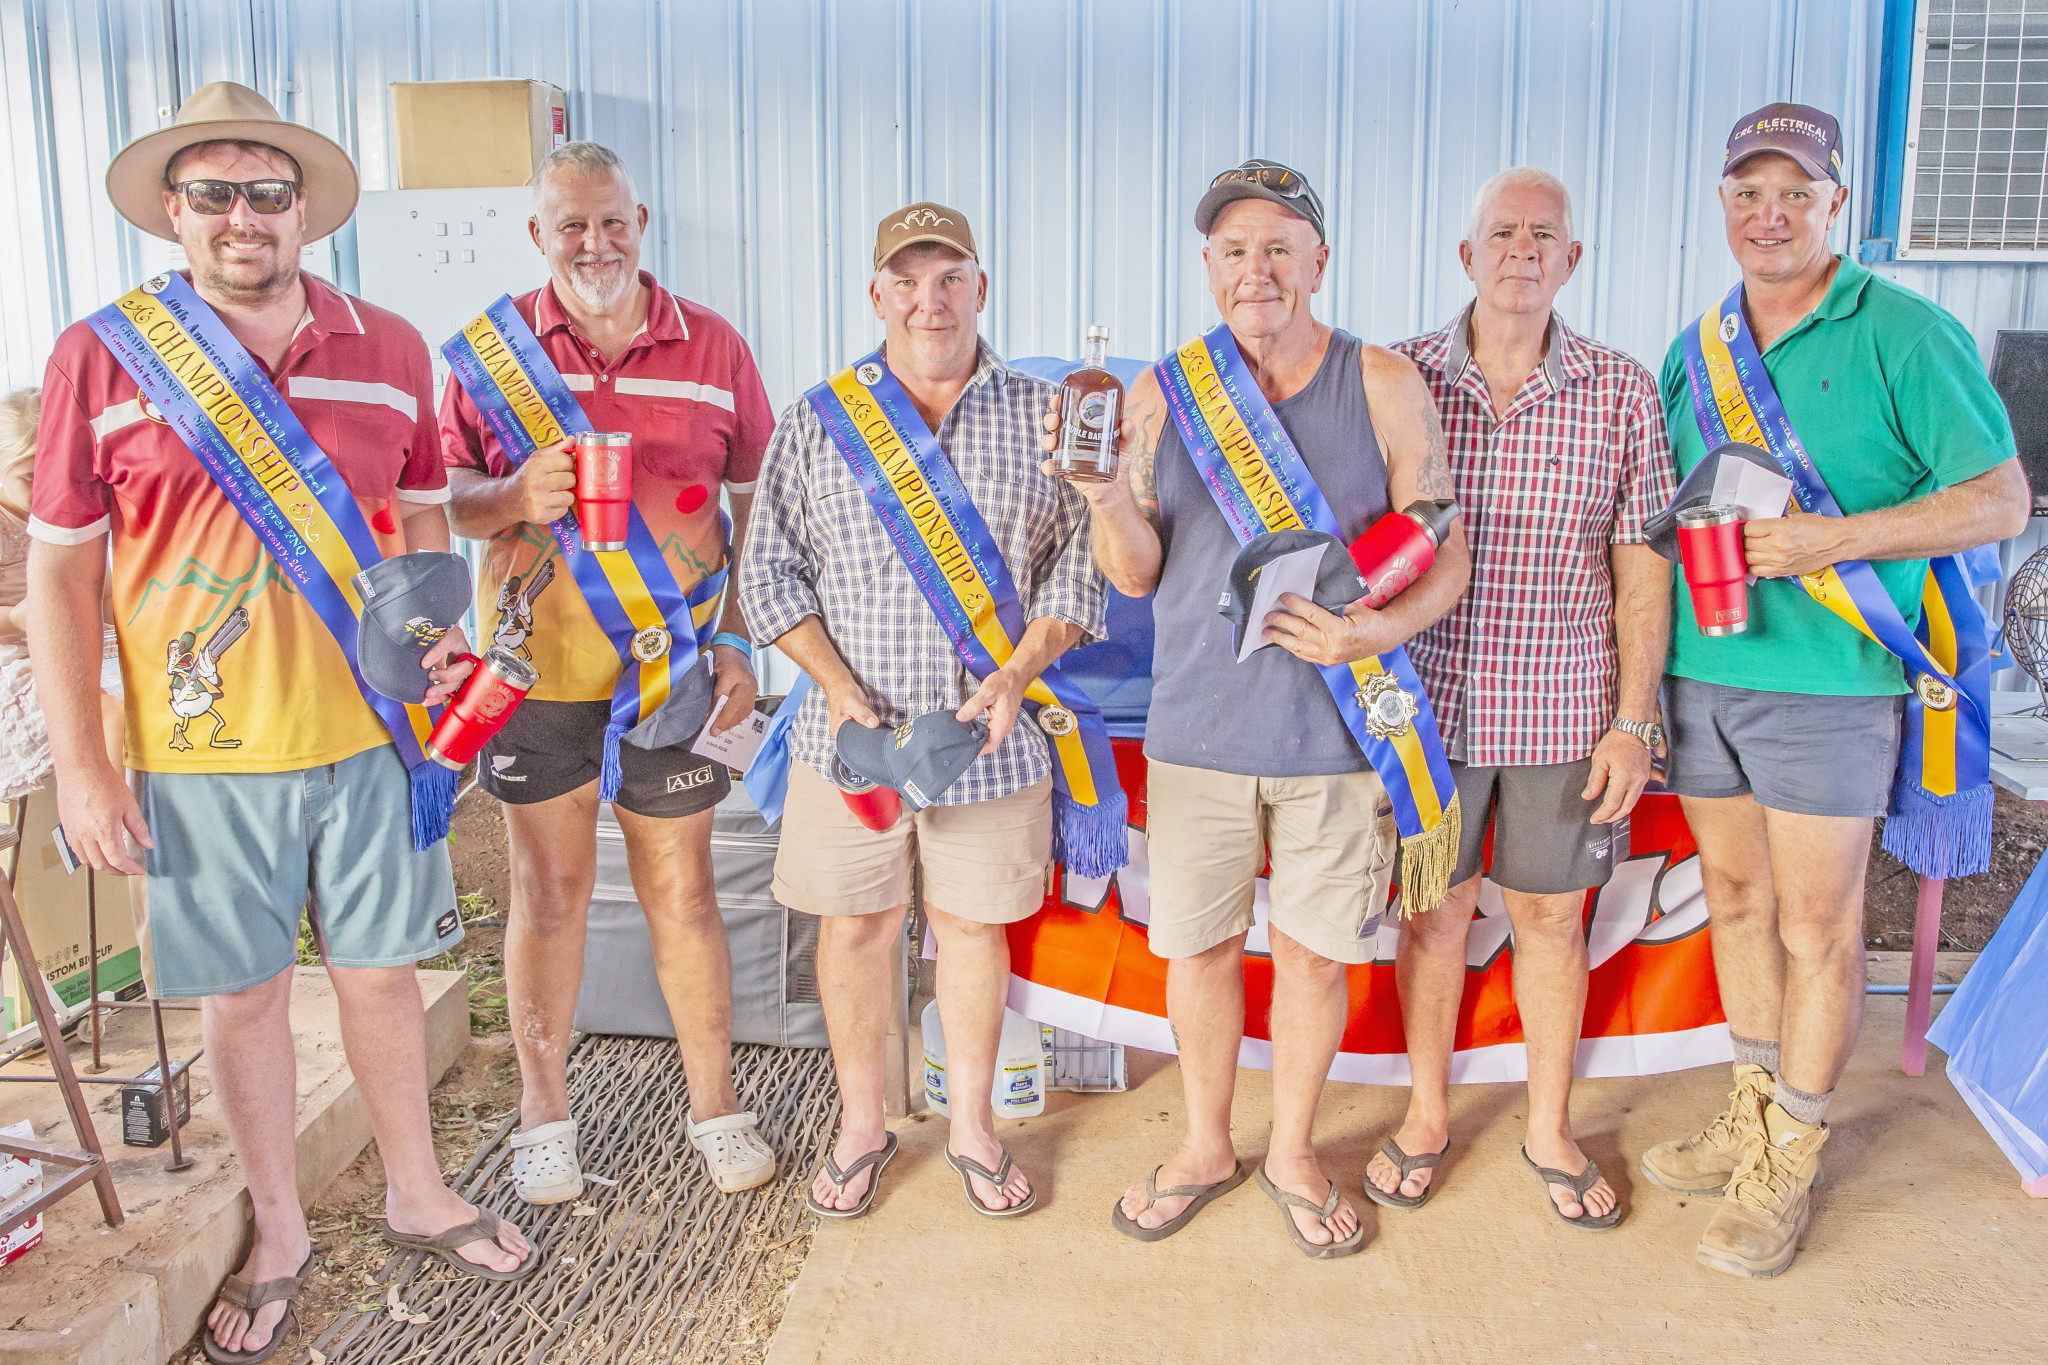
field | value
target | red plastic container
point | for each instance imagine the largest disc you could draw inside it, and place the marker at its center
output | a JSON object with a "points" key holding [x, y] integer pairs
{"points": [[604, 488], [871, 803], [1710, 546], [489, 696], [1399, 548]]}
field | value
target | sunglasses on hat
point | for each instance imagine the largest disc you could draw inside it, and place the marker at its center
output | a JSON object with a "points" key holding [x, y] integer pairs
{"points": [[1278, 179], [213, 198]]}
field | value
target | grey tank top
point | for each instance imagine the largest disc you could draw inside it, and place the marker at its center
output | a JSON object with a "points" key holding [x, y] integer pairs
{"points": [[1270, 716]]}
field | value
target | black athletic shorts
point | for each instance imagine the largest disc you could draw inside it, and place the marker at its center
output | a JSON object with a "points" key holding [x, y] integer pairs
{"points": [[550, 748]]}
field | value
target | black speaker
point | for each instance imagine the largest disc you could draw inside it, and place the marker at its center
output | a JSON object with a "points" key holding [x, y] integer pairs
{"points": [[2019, 371]]}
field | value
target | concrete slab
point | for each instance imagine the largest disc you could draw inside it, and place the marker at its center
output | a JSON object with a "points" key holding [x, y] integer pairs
{"points": [[130, 1296], [1924, 1248]]}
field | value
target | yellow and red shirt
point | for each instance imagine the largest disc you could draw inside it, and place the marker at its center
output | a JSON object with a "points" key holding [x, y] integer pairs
{"points": [[687, 390], [225, 667]]}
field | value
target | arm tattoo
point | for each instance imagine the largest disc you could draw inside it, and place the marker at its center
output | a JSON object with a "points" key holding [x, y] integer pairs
{"points": [[1148, 415], [1433, 479]]}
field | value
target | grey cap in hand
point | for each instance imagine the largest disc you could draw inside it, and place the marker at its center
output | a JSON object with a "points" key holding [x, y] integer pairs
{"points": [[1338, 582], [919, 760], [1660, 532], [680, 718], [409, 603]]}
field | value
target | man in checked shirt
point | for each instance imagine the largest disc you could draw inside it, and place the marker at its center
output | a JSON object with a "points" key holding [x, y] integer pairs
{"points": [[824, 582], [1544, 676]]}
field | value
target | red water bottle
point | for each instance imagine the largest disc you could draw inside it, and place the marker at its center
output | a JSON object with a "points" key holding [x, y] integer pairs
{"points": [[1716, 569], [489, 696], [604, 488], [1399, 548], [873, 804]]}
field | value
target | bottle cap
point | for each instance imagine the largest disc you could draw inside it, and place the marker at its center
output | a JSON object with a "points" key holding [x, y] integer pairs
{"points": [[1098, 333], [1434, 518]]}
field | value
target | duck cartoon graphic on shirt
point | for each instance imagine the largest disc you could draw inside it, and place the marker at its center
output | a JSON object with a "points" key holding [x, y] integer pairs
{"points": [[195, 680], [515, 609]]}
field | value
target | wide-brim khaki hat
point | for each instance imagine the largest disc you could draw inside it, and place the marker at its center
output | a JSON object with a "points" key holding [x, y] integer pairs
{"points": [[225, 111]]}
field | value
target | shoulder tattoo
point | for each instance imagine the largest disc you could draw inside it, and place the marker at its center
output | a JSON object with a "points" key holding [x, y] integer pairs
{"points": [[1433, 478], [1148, 420]]}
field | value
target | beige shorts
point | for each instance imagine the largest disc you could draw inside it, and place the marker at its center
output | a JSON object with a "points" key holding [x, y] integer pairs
{"points": [[1331, 842], [985, 861]]}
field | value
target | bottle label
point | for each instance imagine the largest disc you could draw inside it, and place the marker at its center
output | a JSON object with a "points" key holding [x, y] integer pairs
{"points": [[1093, 409]]}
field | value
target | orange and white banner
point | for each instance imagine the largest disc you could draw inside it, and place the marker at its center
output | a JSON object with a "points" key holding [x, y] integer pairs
{"points": [[1083, 964]]}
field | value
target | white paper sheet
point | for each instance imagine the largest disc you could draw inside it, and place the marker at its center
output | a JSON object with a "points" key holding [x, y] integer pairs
{"points": [[736, 747], [1760, 493], [1293, 572]]}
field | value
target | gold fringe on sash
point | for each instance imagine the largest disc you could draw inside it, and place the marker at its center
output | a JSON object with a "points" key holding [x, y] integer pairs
{"points": [[1427, 861]]}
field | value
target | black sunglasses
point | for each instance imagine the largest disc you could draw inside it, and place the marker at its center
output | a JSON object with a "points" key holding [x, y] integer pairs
{"points": [[216, 197], [1280, 181]]}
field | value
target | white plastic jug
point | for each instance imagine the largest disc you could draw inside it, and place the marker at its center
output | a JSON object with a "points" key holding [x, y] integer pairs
{"points": [[1022, 1072]]}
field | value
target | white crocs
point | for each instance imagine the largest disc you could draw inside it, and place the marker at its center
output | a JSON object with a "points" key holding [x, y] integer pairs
{"points": [[733, 1148], [544, 1168]]}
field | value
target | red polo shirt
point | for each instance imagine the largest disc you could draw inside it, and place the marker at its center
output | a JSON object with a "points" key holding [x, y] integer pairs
{"points": [[687, 390], [188, 571]]}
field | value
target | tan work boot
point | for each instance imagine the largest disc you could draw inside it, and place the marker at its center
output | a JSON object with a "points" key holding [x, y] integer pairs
{"points": [[1702, 1163], [1758, 1228]]}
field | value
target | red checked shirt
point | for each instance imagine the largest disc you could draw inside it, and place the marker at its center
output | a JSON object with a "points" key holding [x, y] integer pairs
{"points": [[1522, 670], [224, 666], [688, 392]]}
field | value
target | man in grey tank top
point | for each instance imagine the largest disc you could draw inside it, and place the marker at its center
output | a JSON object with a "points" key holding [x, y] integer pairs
{"points": [[1250, 761]]}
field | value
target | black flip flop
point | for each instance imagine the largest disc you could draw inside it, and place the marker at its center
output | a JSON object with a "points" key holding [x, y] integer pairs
{"points": [[1326, 1210], [1578, 1185], [249, 1296], [1204, 1195], [966, 1164], [878, 1159], [483, 1228], [1407, 1165]]}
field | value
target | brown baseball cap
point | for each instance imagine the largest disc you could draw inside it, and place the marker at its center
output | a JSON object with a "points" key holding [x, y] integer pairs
{"points": [[923, 222], [1808, 135]]}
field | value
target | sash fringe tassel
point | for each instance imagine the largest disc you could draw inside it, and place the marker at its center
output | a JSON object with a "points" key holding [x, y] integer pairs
{"points": [[1093, 841], [433, 804], [1427, 861], [608, 778], [1939, 836]]}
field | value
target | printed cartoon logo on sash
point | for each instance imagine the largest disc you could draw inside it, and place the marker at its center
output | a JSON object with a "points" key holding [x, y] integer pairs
{"points": [[225, 409], [1939, 820], [1260, 483], [953, 558], [657, 629]]}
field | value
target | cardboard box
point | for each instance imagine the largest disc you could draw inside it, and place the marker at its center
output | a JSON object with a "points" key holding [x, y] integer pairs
{"points": [[20, 1181], [142, 1108], [53, 909], [462, 134]]}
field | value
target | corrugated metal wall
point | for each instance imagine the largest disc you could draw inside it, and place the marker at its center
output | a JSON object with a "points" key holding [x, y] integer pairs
{"points": [[771, 134]]}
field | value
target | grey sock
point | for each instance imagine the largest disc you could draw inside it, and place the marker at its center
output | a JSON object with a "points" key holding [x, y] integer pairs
{"points": [[1802, 1106], [1756, 1052]]}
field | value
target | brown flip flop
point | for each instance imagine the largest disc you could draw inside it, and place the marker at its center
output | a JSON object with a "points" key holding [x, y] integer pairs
{"points": [[1326, 1210], [879, 1158], [1578, 1185], [249, 1296], [997, 1178], [1204, 1195], [1407, 1165], [483, 1228]]}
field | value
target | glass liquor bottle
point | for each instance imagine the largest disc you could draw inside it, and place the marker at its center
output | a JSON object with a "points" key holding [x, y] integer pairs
{"points": [[1091, 402]]}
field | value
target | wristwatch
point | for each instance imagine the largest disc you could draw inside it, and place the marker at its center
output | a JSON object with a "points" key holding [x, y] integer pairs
{"points": [[1648, 731]]}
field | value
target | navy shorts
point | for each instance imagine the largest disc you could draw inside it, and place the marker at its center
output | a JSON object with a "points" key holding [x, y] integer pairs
{"points": [[550, 748]]}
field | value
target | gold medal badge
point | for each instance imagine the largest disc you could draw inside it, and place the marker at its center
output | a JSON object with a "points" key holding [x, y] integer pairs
{"points": [[651, 643], [1389, 710], [1057, 721], [1934, 694]]}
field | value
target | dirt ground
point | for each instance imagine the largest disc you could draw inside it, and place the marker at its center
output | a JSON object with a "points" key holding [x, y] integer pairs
{"points": [[1971, 907]]}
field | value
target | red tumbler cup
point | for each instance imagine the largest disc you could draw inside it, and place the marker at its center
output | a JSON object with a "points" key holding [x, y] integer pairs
{"points": [[604, 488], [873, 804], [1710, 546], [493, 690], [1399, 548]]}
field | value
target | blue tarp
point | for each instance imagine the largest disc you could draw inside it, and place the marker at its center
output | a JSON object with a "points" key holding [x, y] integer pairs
{"points": [[1995, 1032]]}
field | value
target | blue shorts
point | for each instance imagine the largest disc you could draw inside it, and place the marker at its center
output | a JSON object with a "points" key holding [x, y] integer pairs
{"points": [[239, 856], [1807, 755]]}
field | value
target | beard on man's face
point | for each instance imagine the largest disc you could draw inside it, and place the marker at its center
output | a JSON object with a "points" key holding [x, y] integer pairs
{"points": [[600, 281], [243, 275]]}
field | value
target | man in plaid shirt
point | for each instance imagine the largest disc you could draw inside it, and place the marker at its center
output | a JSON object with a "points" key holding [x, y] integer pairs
{"points": [[1544, 676], [823, 581]]}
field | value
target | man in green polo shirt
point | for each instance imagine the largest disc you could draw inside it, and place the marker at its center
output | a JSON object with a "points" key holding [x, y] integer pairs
{"points": [[1784, 738]]}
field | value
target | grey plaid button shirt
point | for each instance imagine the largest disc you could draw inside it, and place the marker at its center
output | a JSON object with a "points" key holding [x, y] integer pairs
{"points": [[815, 547]]}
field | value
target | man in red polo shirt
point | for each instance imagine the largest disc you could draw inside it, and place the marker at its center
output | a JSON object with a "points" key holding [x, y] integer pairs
{"points": [[264, 784], [683, 383]]}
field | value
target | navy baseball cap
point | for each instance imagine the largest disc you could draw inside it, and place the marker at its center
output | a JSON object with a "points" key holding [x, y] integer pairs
{"points": [[1338, 582], [919, 760], [1806, 134], [409, 603], [1260, 179], [1660, 532]]}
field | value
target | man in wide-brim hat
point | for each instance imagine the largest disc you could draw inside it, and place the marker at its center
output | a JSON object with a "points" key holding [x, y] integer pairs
{"points": [[312, 812]]}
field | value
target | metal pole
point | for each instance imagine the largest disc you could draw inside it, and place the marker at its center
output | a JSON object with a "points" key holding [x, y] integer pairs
{"points": [[92, 967], [179, 1161]]}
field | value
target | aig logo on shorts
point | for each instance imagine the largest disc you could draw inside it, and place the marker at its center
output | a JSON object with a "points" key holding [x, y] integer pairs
{"points": [[696, 777]]}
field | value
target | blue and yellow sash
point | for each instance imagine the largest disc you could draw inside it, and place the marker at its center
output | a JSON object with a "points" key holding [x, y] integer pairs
{"points": [[1260, 483], [223, 406], [953, 558], [632, 593], [1939, 822]]}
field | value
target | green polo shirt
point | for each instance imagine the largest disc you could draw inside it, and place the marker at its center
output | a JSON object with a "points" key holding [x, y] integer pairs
{"points": [[1889, 396]]}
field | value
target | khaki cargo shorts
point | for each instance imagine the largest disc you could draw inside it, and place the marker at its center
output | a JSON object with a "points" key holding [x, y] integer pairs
{"points": [[1331, 842], [985, 861]]}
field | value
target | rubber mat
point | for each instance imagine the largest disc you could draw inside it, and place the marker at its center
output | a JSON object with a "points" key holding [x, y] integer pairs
{"points": [[654, 1269]]}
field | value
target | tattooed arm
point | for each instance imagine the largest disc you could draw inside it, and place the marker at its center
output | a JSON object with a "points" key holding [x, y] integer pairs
{"points": [[1123, 516]]}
